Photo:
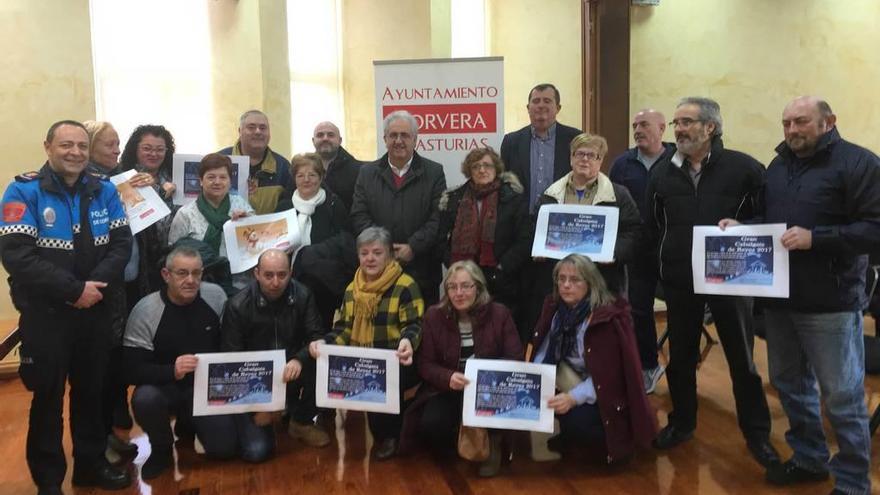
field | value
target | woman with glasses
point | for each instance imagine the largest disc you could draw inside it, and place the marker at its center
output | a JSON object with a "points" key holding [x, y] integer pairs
{"points": [[203, 219], [382, 308], [466, 323], [326, 260], [485, 220], [150, 150], [586, 331]]}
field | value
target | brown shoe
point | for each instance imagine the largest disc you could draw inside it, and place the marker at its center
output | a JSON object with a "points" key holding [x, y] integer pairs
{"points": [[310, 434]]}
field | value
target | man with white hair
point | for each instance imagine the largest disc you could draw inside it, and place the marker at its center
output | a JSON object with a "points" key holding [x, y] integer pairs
{"points": [[401, 191]]}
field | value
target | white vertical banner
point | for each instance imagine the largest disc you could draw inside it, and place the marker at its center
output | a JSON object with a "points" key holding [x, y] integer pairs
{"points": [[458, 104]]}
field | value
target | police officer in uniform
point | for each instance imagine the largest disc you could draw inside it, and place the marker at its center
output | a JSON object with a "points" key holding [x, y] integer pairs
{"points": [[63, 238]]}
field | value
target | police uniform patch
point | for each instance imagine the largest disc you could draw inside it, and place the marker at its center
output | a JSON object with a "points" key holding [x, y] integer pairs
{"points": [[49, 216], [13, 211], [27, 176]]}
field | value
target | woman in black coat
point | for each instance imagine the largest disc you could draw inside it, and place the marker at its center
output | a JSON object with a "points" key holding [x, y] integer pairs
{"points": [[327, 259], [485, 220]]}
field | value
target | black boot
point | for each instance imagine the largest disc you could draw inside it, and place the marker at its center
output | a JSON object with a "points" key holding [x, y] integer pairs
{"points": [[101, 474], [160, 459]]}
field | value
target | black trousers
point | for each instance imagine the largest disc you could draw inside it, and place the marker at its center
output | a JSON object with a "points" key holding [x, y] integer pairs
{"points": [[58, 345], [733, 321], [115, 401], [642, 287], [301, 395], [388, 425], [153, 407], [440, 420]]}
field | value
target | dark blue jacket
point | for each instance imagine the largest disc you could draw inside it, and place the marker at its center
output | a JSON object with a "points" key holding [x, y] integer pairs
{"points": [[53, 240], [630, 173], [836, 194]]}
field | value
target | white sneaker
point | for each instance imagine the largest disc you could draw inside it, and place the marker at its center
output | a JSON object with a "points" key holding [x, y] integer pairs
{"points": [[651, 377]]}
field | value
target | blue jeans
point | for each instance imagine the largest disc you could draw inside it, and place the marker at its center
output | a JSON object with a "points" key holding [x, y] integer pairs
{"points": [[804, 348]]}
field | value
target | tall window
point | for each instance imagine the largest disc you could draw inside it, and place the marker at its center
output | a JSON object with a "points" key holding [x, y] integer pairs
{"points": [[314, 42], [468, 28], [154, 67]]}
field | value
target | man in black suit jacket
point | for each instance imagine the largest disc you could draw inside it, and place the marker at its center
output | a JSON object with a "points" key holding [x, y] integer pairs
{"points": [[538, 153]]}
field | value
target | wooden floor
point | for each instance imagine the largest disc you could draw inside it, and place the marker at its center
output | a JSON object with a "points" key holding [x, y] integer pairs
{"points": [[715, 461]]}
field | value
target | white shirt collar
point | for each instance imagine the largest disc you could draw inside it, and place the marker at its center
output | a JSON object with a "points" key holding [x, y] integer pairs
{"points": [[403, 170]]}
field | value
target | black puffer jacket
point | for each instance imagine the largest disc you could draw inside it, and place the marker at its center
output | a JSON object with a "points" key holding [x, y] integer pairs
{"points": [[836, 194], [512, 234], [729, 187], [253, 323]]}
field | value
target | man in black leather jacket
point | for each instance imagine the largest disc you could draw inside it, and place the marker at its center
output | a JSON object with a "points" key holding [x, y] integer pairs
{"points": [[276, 312]]}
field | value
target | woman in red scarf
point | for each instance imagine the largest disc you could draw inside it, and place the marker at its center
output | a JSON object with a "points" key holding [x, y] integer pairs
{"points": [[485, 220]]}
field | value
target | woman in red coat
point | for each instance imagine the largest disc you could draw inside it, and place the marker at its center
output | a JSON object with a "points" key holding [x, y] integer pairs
{"points": [[586, 331], [466, 323]]}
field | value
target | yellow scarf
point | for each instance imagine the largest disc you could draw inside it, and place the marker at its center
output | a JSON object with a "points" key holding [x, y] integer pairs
{"points": [[265, 198], [367, 296]]}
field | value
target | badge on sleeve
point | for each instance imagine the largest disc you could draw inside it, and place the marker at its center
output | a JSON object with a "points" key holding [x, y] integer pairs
{"points": [[13, 211]]}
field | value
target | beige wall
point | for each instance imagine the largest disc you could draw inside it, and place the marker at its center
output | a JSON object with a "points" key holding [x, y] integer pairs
{"points": [[753, 56], [48, 77], [250, 67], [540, 41], [401, 29]]}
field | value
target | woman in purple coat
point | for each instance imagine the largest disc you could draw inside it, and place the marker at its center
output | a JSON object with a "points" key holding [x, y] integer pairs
{"points": [[466, 323], [586, 331]]}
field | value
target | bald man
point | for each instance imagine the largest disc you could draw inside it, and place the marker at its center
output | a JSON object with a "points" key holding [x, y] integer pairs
{"points": [[631, 170], [276, 312], [827, 190], [342, 168]]}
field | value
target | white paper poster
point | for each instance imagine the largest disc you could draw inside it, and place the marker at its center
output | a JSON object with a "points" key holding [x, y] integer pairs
{"points": [[185, 175], [458, 104], [510, 395], [143, 206], [357, 379], [247, 238], [238, 382], [743, 260], [576, 229]]}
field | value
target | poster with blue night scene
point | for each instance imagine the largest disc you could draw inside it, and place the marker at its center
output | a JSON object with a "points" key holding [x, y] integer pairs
{"points": [[248, 382], [356, 379], [743, 260], [508, 394], [575, 232]]}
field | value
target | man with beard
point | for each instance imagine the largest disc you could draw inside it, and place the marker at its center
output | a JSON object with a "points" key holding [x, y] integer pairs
{"points": [[701, 183], [269, 172], [827, 190], [631, 170], [341, 168], [538, 153]]}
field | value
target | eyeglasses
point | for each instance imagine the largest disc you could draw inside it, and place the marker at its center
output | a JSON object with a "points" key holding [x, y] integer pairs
{"points": [[403, 136], [562, 280], [481, 165], [465, 287], [182, 274], [684, 122], [147, 150], [589, 155]]}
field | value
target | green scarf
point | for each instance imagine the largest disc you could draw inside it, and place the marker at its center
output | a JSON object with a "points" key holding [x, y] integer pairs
{"points": [[216, 217]]}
